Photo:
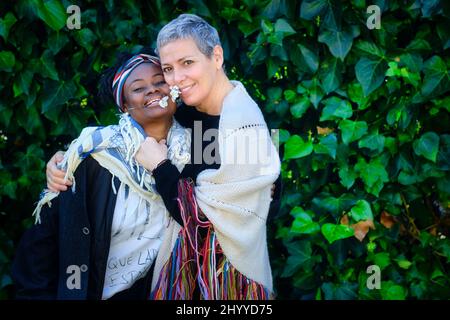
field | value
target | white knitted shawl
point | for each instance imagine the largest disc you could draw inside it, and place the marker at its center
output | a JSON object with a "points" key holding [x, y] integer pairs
{"points": [[236, 197]]}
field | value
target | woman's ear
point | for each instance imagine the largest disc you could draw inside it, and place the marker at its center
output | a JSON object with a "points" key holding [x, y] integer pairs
{"points": [[125, 107], [218, 56]]}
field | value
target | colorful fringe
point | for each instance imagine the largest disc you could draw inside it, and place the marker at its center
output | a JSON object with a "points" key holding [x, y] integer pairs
{"points": [[199, 262]]}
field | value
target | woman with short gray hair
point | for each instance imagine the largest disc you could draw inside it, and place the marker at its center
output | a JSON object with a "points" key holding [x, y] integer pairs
{"points": [[190, 26], [220, 251]]}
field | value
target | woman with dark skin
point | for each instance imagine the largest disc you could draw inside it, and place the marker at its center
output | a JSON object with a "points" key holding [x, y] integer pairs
{"points": [[101, 241]]}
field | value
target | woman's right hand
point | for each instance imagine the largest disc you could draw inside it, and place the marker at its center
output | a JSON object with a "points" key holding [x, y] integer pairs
{"points": [[55, 177]]}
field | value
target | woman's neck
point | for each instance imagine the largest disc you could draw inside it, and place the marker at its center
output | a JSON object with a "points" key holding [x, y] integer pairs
{"points": [[213, 104], [158, 129]]}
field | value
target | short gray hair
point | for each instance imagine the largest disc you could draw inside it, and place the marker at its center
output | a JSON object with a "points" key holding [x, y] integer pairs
{"points": [[189, 26]]}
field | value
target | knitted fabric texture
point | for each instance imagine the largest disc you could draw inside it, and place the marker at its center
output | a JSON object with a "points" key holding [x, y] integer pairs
{"points": [[236, 197], [198, 261]]}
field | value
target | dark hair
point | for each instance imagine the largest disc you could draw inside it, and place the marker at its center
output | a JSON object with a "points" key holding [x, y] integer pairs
{"points": [[105, 92]]}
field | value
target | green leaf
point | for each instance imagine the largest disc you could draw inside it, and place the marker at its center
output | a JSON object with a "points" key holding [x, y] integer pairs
{"points": [[391, 144], [28, 119], [427, 146], [373, 174], [407, 178], [419, 45], [392, 291], [444, 34], [30, 98], [330, 75], [430, 7], [332, 19], [300, 107], [333, 232], [232, 14], [370, 74], [361, 211], [266, 26], [437, 77], [315, 91], [248, 28], [370, 48], [22, 83], [56, 94], [284, 135], [85, 38], [200, 7], [57, 41], [382, 260], [303, 223], [300, 254], [290, 95], [7, 61], [327, 145], [272, 67], [9, 189], [352, 130], [310, 58], [336, 108], [295, 147], [5, 115], [53, 14], [278, 51], [339, 42], [341, 291], [373, 141], [312, 8], [276, 39], [413, 62], [5, 25], [348, 177], [283, 27], [47, 66], [394, 114], [356, 94], [333, 205], [403, 263]]}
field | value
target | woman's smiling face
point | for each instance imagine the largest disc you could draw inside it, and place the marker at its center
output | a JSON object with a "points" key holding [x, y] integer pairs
{"points": [[143, 90], [185, 66]]}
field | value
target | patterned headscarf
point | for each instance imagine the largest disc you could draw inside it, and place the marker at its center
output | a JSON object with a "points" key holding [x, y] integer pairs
{"points": [[124, 71]]}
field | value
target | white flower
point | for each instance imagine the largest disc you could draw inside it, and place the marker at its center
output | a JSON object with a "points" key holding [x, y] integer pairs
{"points": [[163, 102], [174, 92]]}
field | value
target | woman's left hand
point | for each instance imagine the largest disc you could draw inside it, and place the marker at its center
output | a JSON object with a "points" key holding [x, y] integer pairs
{"points": [[151, 153]]}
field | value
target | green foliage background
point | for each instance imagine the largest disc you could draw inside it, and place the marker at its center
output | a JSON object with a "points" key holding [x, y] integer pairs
{"points": [[364, 119]]}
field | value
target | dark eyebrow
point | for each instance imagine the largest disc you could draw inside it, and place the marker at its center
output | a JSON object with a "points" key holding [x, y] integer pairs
{"points": [[136, 80], [155, 75]]}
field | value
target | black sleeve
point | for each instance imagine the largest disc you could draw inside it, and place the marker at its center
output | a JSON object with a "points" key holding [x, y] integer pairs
{"points": [[276, 201], [185, 115], [166, 178], [35, 266]]}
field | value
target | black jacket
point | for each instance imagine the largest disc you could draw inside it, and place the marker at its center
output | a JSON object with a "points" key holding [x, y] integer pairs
{"points": [[65, 256]]}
